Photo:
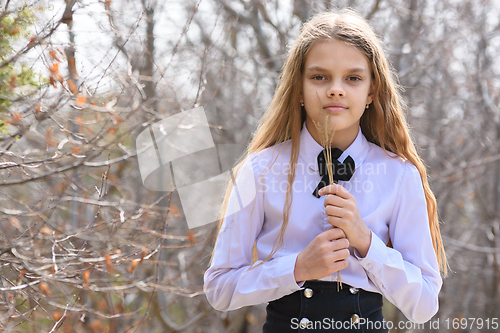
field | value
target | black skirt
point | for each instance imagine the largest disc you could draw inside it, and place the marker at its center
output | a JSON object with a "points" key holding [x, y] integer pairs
{"points": [[319, 307]]}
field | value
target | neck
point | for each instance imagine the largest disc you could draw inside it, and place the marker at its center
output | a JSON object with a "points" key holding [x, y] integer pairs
{"points": [[342, 139]]}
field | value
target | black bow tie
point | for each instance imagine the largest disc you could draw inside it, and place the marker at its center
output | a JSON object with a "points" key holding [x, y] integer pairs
{"points": [[341, 171]]}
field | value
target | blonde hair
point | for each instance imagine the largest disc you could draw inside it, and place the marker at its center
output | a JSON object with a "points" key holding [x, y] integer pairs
{"points": [[383, 123]]}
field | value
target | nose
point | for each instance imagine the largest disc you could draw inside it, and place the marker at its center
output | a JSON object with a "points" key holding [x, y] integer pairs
{"points": [[336, 90]]}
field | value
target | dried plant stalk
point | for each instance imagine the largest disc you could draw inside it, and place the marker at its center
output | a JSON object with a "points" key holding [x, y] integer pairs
{"points": [[325, 136]]}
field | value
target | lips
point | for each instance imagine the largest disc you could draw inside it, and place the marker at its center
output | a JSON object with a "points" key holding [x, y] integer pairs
{"points": [[335, 107]]}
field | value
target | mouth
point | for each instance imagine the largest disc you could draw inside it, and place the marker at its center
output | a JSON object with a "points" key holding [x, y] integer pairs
{"points": [[335, 107]]}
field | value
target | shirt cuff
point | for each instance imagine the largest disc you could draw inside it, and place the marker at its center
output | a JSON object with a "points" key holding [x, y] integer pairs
{"points": [[284, 276], [376, 256]]}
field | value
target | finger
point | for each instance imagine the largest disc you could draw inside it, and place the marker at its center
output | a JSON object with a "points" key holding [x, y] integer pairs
{"points": [[337, 222], [340, 265], [328, 189], [334, 211], [333, 233], [335, 189], [335, 266], [341, 254], [339, 244], [342, 191], [334, 200]]}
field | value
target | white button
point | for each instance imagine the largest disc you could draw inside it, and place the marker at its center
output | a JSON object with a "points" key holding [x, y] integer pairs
{"points": [[308, 292], [354, 319], [353, 290], [304, 322]]}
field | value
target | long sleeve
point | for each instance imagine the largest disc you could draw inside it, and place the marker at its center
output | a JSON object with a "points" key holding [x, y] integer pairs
{"points": [[407, 274], [231, 282]]}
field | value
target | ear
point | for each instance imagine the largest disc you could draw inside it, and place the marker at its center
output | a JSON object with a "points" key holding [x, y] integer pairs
{"points": [[370, 96]]}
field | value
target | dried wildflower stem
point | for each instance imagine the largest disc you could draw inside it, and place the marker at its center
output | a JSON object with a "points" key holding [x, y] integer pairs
{"points": [[325, 136]]}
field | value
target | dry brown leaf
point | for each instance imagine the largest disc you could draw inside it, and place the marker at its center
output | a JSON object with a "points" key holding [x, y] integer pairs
{"points": [[56, 316], [109, 264], [44, 287], [80, 100], [15, 222], [133, 265], [72, 87], [46, 231], [86, 278], [72, 67]]}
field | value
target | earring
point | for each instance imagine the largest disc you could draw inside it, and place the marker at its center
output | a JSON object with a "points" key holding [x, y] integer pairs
{"points": [[367, 105], [302, 104]]}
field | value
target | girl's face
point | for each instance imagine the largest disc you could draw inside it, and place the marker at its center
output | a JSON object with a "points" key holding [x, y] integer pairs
{"points": [[337, 80]]}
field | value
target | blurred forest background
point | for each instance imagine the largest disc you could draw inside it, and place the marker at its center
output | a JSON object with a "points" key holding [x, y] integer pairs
{"points": [[85, 247]]}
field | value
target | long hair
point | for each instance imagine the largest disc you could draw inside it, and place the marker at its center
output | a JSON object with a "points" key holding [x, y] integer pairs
{"points": [[383, 123]]}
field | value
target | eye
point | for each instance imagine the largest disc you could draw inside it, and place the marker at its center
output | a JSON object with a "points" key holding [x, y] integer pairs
{"points": [[353, 78], [318, 77]]}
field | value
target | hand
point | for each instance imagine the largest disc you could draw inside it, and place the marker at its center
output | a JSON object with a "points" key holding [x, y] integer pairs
{"points": [[323, 256], [343, 213]]}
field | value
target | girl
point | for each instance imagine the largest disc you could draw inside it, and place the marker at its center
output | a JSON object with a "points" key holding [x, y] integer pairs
{"points": [[280, 243]]}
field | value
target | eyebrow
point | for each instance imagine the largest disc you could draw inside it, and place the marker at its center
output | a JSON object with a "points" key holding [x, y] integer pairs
{"points": [[321, 69]]}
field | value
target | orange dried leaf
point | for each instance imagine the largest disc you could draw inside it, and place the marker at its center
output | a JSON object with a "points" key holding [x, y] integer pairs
{"points": [[14, 31], [107, 4], [48, 134], [72, 66], [133, 265], [53, 82], [46, 231], [16, 116], [144, 252], [72, 87], [112, 131], [192, 238], [57, 316], [53, 54], [174, 210], [102, 304], [58, 77], [109, 264], [54, 68], [96, 326], [44, 287], [76, 150], [15, 222], [38, 109], [80, 100], [86, 279]]}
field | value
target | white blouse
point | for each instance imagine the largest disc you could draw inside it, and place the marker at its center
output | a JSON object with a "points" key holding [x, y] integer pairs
{"points": [[390, 198]]}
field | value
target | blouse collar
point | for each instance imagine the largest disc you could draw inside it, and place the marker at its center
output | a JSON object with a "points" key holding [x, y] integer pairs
{"points": [[309, 149]]}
